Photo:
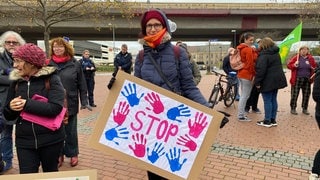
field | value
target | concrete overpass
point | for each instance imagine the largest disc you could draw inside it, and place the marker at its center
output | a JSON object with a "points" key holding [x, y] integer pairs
{"points": [[196, 22]]}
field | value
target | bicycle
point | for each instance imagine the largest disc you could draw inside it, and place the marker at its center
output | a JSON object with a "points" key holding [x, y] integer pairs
{"points": [[228, 93]]}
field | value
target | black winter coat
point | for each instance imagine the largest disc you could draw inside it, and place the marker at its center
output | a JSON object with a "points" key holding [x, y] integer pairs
{"points": [[73, 81], [28, 134], [316, 94], [269, 72], [6, 65]]}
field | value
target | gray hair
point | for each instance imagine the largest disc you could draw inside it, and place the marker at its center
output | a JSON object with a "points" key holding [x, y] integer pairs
{"points": [[6, 34]]}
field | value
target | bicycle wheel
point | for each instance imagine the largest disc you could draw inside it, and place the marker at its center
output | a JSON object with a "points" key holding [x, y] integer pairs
{"points": [[229, 96], [214, 96]]}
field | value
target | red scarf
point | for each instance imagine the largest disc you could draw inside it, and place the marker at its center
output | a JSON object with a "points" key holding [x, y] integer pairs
{"points": [[154, 40], [60, 59]]}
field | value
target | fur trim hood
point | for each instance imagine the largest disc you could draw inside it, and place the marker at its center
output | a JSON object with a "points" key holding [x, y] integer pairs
{"points": [[46, 70]]}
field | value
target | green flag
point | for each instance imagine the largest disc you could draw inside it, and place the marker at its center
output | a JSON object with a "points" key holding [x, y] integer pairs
{"points": [[285, 45]]}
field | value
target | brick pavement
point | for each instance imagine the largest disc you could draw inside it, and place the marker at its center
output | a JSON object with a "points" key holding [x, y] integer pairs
{"points": [[242, 150]]}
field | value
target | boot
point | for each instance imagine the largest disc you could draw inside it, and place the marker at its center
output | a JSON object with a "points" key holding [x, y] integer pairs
{"points": [[293, 111], [74, 161], [61, 159], [305, 111]]}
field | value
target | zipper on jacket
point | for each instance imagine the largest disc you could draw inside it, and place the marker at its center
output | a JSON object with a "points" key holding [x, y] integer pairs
{"points": [[35, 136], [28, 90], [32, 124]]}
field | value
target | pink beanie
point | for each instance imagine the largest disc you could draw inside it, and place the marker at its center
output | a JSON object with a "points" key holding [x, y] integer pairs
{"points": [[31, 53]]}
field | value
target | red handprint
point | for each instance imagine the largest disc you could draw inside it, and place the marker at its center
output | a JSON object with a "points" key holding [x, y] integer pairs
{"points": [[187, 142], [155, 102], [199, 124], [123, 111], [139, 145]]}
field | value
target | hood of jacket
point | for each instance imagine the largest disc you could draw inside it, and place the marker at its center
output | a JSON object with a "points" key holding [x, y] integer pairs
{"points": [[46, 70], [270, 50]]}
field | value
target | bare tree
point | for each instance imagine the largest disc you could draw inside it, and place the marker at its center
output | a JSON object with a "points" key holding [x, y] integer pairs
{"points": [[47, 13]]}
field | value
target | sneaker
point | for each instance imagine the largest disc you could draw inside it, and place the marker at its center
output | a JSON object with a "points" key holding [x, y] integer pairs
{"points": [[294, 112], [244, 119], [274, 122], [313, 177], [264, 123], [93, 105], [305, 111], [257, 111]]}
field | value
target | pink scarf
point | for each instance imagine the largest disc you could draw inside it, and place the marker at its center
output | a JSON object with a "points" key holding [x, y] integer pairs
{"points": [[60, 59]]}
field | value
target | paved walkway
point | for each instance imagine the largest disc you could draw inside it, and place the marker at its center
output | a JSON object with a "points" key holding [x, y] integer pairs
{"points": [[242, 150]]}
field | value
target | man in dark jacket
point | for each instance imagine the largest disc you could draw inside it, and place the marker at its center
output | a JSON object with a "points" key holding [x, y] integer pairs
{"points": [[10, 41], [89, 70], [123, 61]]}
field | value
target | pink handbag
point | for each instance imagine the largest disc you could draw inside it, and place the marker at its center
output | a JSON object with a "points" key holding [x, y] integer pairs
{"points": [[52, 123]]}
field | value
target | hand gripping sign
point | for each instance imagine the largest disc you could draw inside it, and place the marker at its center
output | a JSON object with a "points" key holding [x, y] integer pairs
{"points": [[159, 130]]}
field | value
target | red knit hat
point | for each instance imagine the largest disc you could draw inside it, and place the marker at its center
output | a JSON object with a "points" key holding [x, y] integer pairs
{"points": [[150, 15], [31, 53]]}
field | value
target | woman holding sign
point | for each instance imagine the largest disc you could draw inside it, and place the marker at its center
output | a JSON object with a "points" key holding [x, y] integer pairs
{"points": [[162, 63]]}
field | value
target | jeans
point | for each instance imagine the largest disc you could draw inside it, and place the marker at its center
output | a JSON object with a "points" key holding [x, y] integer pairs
{"points": [[245, 87], [270, 104], [71, 147], [6, 144]]}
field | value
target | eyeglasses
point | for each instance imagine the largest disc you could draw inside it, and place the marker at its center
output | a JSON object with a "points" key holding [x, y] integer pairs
{"points": [[156, 26], [15, 43], [58, 47]]}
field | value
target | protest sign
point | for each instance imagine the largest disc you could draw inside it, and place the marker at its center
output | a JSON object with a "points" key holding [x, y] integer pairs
{"points": [[61, 175], [156, 129]]}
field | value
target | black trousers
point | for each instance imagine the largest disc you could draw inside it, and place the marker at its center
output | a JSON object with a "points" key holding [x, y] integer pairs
{"points": [[316, 163], [152, 176], [30, 159], [253, 99]]}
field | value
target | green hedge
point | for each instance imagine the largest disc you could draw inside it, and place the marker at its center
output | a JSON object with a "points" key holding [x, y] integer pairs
{"points": [[104, 68]]}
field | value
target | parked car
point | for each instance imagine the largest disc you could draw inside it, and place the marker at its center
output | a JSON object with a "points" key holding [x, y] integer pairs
{"points": [[201, 65]]}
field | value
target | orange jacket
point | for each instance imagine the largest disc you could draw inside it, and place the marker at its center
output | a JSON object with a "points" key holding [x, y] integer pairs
{"points": [[248, 56]]}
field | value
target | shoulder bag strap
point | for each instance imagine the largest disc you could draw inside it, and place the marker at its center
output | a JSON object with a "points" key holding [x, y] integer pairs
{"points": [[160, 72]]}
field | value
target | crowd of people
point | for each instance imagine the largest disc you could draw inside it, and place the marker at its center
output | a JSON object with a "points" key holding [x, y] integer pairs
{"points": [[25, 69]]}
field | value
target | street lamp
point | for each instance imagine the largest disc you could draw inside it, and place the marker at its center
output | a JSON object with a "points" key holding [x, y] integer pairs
{"points": [[234, 37], [209, 59], [113, 38]]}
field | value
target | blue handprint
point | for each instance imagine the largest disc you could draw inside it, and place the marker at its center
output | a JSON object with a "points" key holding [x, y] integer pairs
{"points": [[113, 133], [175, 112], [174, 159], [131, 94], [156, 152]]}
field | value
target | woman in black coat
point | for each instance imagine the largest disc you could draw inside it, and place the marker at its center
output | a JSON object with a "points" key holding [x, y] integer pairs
{"points": [[269, 78], [35, 144]]}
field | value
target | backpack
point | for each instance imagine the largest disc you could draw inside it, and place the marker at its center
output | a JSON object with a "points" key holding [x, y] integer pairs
{"points": [[65, 102], [235, 60]]}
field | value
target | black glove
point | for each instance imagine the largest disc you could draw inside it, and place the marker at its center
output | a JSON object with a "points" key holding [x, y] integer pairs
{"points": [[112, 80], [225, 120]]}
